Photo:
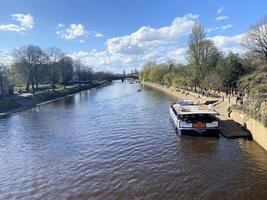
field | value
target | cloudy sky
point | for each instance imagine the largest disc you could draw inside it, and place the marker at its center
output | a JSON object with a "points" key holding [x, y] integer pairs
{"points": [[116, 34]]}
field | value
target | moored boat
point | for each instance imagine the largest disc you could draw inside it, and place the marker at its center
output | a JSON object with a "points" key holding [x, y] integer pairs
{"points": [[190, 118]]}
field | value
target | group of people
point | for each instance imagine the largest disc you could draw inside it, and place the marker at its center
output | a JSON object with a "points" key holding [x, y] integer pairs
{"points": [[205, 92], [239, 100]]}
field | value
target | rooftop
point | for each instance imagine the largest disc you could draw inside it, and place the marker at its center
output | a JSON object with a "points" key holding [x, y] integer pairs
{"points": [[192, 109]]}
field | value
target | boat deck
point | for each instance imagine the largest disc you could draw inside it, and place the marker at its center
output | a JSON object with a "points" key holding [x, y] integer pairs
{"points": [[185, 110]]}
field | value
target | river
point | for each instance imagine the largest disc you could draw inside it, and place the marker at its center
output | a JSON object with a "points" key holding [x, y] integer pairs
{"points": [[116, 143]]}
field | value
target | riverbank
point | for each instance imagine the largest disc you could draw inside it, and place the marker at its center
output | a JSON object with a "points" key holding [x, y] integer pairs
{"points": [[237, 124], [181, 94], [22, 102]]}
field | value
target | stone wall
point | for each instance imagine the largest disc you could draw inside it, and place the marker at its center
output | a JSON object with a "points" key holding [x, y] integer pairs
{"points": [[257, 129]]}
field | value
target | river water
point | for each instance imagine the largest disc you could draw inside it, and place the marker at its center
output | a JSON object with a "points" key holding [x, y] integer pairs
{"points": [[116, 143]]}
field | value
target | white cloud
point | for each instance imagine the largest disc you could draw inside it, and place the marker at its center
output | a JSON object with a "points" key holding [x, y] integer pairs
{"points": [[151, 44], [178, 55], [219, 11], [212, 29], [146, 44], [146, 37], [60, 25], [220, 18], [11, 27], [6, 56], [99, 35], [100, 60], [106, 60], [227, 26], [229, 43], [74, 31], [219, 28], [25, 22]]}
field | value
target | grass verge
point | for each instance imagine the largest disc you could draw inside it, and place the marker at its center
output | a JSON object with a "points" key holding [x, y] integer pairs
{"points": [[8, 104]]}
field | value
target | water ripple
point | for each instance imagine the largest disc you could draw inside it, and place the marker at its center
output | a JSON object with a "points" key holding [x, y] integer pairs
{"points": [[116, 143]]}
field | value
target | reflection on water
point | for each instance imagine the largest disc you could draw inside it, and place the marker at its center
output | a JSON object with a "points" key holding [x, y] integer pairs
{"points": [[116, 143], [200, 145], [68, 102]]}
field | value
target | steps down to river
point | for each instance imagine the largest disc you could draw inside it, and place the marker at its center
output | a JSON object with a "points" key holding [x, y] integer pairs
{"points": [[228, 127], [231, 129]]}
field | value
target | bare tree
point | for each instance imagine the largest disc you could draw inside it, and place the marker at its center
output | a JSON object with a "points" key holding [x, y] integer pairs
{"points": [[201, 52], [31, 58], [78, 67], [54, 54], [66, 69], [40, 66], [22, 65], [170, 62], [256, 39]]}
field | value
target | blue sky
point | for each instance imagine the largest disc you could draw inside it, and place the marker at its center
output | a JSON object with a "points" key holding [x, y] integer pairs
{"points": [[116, 34]]}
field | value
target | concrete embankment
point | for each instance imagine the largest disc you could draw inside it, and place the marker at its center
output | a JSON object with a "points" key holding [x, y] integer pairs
{"points": [[236, 126], [19, 103], [181, 94], [257, 129]]}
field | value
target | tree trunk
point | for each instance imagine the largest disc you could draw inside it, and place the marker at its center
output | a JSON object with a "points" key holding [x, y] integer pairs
{"points": [[53, 77], [27, 85], [33, 89], [2, 89], [37, 85], [53, 87], [36, 77]]}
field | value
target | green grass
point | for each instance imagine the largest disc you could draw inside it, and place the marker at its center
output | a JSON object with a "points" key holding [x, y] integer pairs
{"points": [[41, 87], [61, 92], [8, 104], [11, 104]]}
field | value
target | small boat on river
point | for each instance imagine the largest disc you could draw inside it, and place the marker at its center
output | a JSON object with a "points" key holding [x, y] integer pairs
{"points": [[190, 118]]}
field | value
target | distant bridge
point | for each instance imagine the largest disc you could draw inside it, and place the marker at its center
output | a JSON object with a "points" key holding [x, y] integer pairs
{"points": [[122, 77]]}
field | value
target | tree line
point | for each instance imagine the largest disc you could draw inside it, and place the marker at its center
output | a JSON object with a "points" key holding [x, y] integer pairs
{"points": [[208, 68], [33, 66]]}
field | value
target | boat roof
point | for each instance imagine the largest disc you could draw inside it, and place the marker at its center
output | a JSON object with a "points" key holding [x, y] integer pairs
{"points": [[192, 109], [185, 102]]}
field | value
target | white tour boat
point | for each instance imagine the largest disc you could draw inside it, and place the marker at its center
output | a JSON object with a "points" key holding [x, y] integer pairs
{"points": [[192, 119]]}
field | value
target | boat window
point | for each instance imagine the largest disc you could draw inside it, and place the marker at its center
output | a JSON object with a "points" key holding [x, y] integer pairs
{"points": [[197, 118]]}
